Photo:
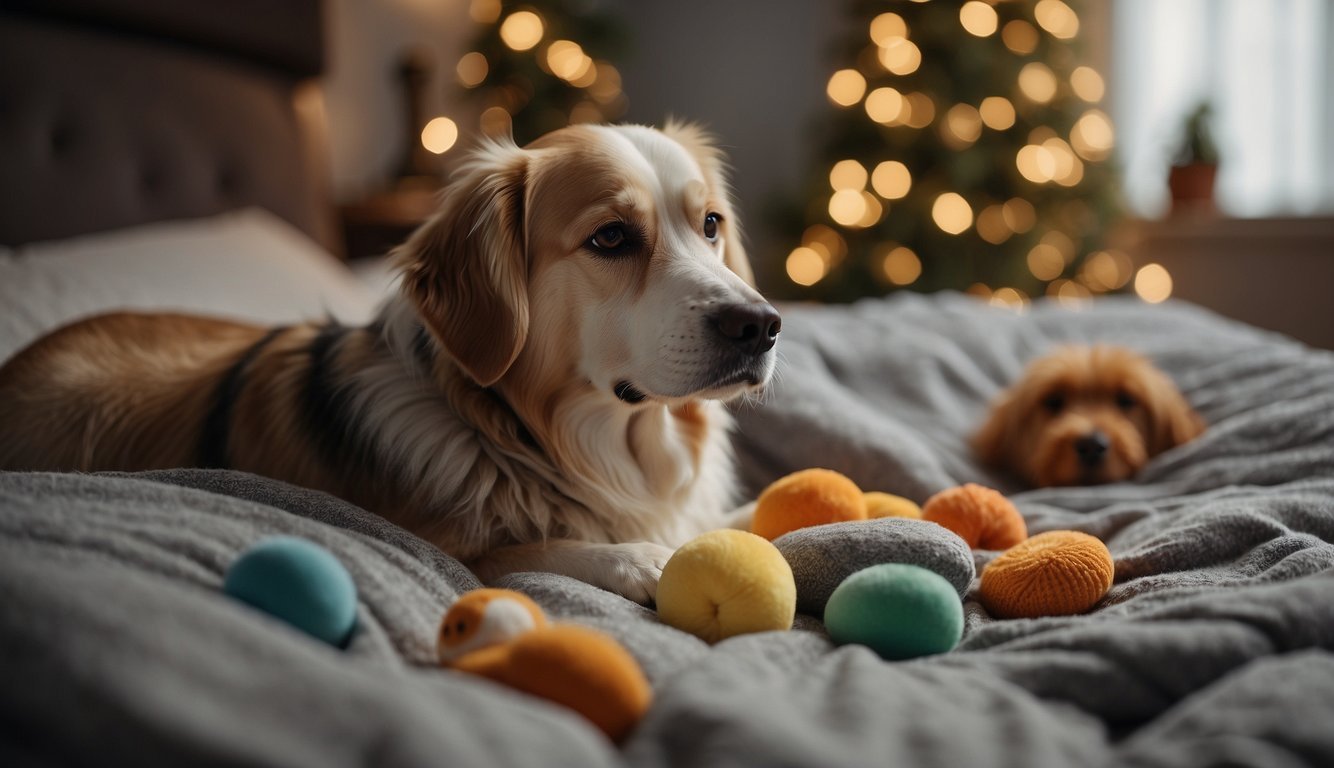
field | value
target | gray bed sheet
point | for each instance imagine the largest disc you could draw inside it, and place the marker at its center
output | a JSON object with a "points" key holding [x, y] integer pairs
{"points": [[1213, 647]]}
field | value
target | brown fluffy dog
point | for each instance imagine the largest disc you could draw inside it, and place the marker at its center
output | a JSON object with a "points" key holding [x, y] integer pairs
{"points": [[544, 394], [1086, 415]]}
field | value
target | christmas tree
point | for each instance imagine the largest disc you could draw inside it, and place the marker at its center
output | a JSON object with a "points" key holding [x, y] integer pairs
{"points": [[965, 149], [541, 65]]}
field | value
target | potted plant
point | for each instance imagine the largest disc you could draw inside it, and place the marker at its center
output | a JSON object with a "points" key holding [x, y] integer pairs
{"points": [[1191, 179]]}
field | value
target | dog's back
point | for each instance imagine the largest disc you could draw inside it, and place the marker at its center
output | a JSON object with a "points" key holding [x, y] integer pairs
{"points": [[116, 392]]}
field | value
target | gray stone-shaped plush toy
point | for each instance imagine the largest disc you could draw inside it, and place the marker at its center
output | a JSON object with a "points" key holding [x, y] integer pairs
{"points": [[822, 556]]}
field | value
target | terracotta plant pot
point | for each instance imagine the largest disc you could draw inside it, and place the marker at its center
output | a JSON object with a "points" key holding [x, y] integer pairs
{"points": [[1192, 187]]}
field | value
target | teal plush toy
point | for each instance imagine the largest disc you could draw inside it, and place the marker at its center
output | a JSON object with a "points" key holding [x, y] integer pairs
{"points": [[299, 582], [899, 611]]}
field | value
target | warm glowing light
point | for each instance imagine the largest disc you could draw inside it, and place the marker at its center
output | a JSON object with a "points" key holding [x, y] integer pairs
{"points": [[919, 110], [884, 105], [521, 30], [891, 180], [1087, 84], [978, 18], [1106, 270], [1020, 216], [874, 210], [901, 56], [1020, 37], [980, 290], [606, 86], [1153, 283], [846, 87], [1072, 295], [847, 174], [1093, 136], [484, 11], [886, 27], [901, 266], [847, 207], [991, 225], [472, 69], [825, 240], [1057, 18], [964, 122], [804, 266], [495, 121], [1009, 298], [1045, 262], [1062, 243], [997, 113], [952, 213], [1064, 158], [567, 60], [439, 135], [1036, 163], [1037, 82]]}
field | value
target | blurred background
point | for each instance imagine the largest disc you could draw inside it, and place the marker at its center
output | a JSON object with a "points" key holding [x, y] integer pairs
{"points": [[1012, 149]]}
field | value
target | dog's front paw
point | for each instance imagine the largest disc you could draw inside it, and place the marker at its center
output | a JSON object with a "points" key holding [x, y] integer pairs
{"points": [[633, 570]]}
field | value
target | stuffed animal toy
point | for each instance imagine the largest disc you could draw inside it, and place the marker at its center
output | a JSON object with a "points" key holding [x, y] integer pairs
{"points": [[880, 505], [899, 611], [299, 582], [805, 498], [1058, 573], [980, 516], [726, 583], [503, 636]]}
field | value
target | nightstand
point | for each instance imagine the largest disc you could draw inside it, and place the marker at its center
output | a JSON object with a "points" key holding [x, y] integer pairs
{"points": [[377, 224]]}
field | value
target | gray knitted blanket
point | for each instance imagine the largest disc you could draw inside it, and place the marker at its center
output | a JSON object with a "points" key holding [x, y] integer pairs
{"points": [[1213, 647]]}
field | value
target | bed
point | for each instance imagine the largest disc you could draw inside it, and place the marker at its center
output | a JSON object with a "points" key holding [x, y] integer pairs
{"points": [[117, 647]]}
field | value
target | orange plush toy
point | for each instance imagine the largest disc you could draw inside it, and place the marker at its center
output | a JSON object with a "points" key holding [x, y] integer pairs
{"points": [[805, 498], [980, 516], [503, 635], [1058, 573]]}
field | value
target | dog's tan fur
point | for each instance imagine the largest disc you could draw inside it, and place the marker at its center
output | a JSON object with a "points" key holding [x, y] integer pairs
{"points": [[478, 410], [1033, 426]]}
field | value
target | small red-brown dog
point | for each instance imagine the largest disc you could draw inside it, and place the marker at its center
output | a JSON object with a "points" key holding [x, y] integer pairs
{"points": [[1086, 415]]}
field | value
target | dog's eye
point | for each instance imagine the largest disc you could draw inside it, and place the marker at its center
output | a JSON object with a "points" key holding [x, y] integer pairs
{"points": [[1054, 403], [711, 226], [609, 238], [1125, 401]]}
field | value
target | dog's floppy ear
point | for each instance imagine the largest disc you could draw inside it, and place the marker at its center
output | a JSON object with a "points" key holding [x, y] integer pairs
{"points": [[1173, 421], [466, 270], [701, 146], [992, 440]]}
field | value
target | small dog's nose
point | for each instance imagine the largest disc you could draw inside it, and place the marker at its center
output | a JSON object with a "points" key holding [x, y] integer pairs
{"points": [[753, 327], [1092, 448]]}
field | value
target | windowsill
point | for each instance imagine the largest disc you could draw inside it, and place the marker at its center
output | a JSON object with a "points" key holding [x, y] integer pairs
{"points": [[1275, 273]]}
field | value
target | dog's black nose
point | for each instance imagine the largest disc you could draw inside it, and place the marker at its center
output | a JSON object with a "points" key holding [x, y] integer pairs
{"points": [[1092, 448], [752, 327]]}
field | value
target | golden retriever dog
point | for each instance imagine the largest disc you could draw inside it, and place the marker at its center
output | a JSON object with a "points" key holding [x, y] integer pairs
{"points": [[1086, 415], [545, 393]]}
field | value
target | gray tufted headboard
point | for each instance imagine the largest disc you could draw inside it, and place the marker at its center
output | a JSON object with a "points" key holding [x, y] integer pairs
{"points": [[122, 112]]}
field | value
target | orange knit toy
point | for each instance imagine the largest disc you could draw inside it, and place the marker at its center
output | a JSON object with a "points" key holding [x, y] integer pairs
{"points": [[983, 518], [1058, 573], [806, 498]]}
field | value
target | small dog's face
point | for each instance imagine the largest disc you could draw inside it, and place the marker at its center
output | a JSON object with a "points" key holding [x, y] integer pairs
{"points": [[1086, 415], [596, 254]]}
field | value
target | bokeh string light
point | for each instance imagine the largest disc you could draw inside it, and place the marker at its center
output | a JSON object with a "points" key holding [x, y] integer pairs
{"points": [[540, 65], [967, 148]]}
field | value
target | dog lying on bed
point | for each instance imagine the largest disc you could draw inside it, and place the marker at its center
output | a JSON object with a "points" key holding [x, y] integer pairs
{"points": [[1086, 415], [544, 394]]}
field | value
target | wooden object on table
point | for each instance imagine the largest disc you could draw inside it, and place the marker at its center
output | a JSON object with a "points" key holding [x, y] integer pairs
{"points": [[377, 224]]}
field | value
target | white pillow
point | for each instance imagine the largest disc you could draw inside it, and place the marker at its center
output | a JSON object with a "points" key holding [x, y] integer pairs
{"points": [[245, 265]]}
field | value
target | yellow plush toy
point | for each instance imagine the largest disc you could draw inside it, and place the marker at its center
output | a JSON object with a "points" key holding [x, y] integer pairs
{"points": [[503, 635], [726, 583], [887, 505], [805, 498]]}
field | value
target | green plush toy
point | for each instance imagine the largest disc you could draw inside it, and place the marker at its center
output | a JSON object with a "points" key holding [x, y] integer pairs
{"points": [[899, 611]]}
